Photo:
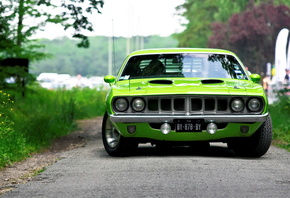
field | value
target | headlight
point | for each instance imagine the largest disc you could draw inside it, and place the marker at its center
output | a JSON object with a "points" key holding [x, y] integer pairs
{"points": [[138, 104], [237, 105], [254, 104], [121, 104]]}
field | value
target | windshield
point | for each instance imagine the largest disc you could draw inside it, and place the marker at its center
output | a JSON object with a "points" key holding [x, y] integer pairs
{"points": [[183, 65]]}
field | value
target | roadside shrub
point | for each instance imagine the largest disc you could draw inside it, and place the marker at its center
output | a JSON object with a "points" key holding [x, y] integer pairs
{"points": [[12, 144], [43, 115], [280, 113], [29, 124], [88, 102]]}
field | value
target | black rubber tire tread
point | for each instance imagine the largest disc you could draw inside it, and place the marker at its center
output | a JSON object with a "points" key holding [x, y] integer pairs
{"points": [[257, 145]]}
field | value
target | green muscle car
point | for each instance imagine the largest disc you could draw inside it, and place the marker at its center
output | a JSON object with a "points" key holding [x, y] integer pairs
{"points": [[183, 97]]}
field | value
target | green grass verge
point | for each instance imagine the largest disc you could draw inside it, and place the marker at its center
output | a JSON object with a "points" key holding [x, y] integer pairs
{"points": [[280, 113], [29, 124]]}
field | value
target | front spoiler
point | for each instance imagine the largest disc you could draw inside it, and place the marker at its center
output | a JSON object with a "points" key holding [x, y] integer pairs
{"points": [[137, 118]]}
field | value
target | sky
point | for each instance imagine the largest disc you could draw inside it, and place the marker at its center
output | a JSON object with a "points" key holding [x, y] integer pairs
{"points": [[128, 18]]}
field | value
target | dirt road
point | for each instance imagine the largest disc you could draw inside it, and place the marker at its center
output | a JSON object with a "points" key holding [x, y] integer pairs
{"points": [[24, 171]]}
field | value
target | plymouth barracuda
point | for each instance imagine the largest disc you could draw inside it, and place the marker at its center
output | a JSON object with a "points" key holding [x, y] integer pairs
{"points": [[186, 96]]}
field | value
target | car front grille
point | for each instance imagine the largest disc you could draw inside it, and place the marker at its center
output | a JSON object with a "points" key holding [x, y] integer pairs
{"points": [[189, 105]]}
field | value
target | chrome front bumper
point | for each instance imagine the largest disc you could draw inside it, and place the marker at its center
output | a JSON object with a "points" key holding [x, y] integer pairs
{"points": [[137, 118]]}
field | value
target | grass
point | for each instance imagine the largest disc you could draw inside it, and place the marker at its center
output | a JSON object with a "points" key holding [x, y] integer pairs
{"points": [[29, 124], [280, 113]]}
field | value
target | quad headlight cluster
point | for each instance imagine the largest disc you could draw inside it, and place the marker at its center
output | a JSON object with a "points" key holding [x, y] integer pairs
{"points": [[253, 104], [238, 104], [122, 104]]}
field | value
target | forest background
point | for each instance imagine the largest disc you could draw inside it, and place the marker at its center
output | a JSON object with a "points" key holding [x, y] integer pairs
{"points": [[66, 58], [247, 27]]}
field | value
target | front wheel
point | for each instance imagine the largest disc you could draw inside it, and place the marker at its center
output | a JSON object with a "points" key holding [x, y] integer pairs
{"points": [[256, 145], [115, 144]]}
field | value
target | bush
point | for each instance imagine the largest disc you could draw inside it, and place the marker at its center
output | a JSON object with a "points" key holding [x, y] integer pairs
{"points": [[12, 144], [280, 113], [88, 102]]}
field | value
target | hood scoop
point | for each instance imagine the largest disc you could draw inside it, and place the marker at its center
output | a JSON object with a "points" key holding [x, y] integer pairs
{"points": [[163, 82], [211, 81]]}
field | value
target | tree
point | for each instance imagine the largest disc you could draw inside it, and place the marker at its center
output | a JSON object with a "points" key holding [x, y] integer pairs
{"points": [[252, 34], [5, 32], [200, 14], [26, 17], [20, 19]]}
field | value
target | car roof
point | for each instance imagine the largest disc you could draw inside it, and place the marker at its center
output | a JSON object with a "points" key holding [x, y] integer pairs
{"points": [[180, 50]]}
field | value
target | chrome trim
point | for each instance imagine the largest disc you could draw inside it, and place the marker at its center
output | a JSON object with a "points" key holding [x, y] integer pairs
{"points": [[137, 118]]}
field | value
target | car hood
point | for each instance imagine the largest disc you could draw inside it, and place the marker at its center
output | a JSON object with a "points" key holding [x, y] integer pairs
{"points": [[187, 86]]}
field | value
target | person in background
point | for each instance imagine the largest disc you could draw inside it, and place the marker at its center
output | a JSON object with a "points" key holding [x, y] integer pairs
{"points": [[266, 81], [287, 77]]}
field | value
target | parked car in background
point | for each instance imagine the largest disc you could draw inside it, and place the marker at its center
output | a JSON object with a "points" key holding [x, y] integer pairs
{"points": [[186, 97], [47, 80], [54, 81]]}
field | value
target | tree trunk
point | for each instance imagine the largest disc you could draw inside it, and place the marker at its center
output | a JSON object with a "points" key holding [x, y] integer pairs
{"points": [[20, 23]]}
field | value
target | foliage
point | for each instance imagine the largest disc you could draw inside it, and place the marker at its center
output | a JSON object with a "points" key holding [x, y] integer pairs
{"points": [[88, 103], [45, 117], [16, 75], [280, 113], [76, 18], [19, 20], [200, 14], [14, 37], [11, 143], [6, 42], [5, 106], [30, 124], [255, 38], [92, 61]]}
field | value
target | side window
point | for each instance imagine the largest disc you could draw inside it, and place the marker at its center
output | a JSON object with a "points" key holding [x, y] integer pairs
{"points": [[132, 68], [239, 73]]}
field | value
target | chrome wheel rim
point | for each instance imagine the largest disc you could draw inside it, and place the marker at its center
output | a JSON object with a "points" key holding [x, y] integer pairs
{"points": [[112, 135]]}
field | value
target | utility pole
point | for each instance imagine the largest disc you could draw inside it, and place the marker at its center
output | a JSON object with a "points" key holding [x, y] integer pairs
{"points": [[110, 55], [142, 42]]}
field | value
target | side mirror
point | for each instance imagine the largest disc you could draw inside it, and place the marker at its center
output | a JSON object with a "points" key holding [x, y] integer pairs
{"points": [[256, 78], [109, 79]]}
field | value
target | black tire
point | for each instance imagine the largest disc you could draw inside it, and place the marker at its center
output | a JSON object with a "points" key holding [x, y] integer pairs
{"points": [[115, 144], [256, 145]]}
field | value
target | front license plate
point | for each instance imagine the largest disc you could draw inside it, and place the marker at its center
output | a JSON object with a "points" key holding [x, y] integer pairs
{"points": [[188, 125]]}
